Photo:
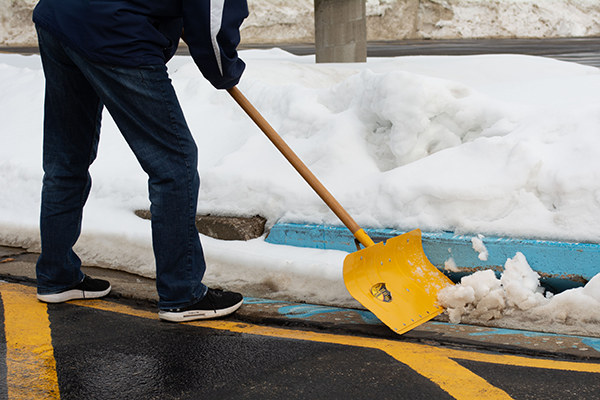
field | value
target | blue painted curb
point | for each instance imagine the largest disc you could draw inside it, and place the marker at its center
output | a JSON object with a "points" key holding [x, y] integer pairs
{"points": [[561, 264]]}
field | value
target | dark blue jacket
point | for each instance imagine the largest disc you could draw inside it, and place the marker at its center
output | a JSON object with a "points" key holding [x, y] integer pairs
{"points": [[146, 32]]}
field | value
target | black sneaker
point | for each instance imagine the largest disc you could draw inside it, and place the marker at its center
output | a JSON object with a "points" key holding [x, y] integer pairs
{"points": [[216, 303], [88, 288]]}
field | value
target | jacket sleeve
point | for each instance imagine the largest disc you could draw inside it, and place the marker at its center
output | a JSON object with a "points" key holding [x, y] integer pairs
{"points": [[212, 32]]}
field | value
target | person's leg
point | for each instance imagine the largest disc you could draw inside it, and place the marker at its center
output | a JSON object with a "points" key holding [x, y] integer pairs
{"points": [[144, 105], [72, 112]]}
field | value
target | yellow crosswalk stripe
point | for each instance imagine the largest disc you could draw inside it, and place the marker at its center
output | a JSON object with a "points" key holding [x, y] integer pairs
{"points": [[31, 368]]}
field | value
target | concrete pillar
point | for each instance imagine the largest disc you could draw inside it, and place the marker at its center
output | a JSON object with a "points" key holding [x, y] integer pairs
{"points": [[340, 31]]}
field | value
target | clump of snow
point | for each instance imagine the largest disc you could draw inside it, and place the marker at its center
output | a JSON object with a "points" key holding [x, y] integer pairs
{"points": [[572, 307], [479, 295], [521, 284], [518, 298], [479, 247], [450, 265]]}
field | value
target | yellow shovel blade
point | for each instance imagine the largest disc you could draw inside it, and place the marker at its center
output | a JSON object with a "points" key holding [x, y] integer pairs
{"points": [[396, 282]]}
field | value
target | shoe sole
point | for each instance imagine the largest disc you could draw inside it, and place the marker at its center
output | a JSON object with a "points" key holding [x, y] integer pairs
{"points": [[193, 315], [74, 294]]}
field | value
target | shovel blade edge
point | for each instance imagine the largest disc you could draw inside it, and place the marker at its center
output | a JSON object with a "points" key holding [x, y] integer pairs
{"points": [[396, 282]]}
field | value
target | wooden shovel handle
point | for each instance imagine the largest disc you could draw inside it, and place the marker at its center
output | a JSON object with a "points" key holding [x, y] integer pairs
{"points": [[302, 169]]}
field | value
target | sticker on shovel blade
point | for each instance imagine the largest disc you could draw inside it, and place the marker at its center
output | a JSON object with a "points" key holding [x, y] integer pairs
{"points": [[380, 292]]}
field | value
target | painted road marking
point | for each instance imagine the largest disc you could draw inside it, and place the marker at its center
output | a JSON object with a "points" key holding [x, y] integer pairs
{"points": [[437, 364], [31, 368]]}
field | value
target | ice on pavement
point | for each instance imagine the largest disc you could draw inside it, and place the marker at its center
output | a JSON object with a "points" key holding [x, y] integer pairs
{"points": [[500, 145]]}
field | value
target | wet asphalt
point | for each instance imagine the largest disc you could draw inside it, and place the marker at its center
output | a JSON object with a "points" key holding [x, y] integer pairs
{"points": [[101, 353], [112, 356], [116, 348]]}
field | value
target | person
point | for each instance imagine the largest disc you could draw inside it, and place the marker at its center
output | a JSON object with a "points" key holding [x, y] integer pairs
{"points": [[113, 54]]}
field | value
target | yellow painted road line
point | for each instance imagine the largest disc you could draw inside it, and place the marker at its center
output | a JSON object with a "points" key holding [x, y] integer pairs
{"points": [[31, 368], [435, 363], [455, 379], [522, 361], [428, 361], [384, 344]]}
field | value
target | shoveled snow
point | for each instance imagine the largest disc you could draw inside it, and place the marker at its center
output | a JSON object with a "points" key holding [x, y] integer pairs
{"points": [[517, 299]]}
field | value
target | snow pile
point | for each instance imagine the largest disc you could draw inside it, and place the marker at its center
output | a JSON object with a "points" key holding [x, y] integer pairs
{"points": [[402, 148], [496, 145], [517, 300]]}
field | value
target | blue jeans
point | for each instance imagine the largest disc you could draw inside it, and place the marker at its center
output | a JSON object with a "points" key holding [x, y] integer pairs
{"points": [[144, 105]]}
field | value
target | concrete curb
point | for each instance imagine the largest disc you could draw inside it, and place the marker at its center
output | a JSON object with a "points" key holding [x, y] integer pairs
{"points": [[561, 265]]}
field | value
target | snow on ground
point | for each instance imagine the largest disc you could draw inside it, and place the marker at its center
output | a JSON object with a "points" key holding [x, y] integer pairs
{"points": [[486, 145]]}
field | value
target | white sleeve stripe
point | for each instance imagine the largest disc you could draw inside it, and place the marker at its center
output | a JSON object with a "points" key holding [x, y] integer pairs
{"points": [[216, 17]]}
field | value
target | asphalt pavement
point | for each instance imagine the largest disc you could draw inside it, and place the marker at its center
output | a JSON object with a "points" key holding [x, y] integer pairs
{"points": [[269, 349], [18, 266], [116, 348]]}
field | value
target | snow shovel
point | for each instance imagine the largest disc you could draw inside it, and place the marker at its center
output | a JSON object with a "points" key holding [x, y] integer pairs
{"points": [[394, 280]]}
